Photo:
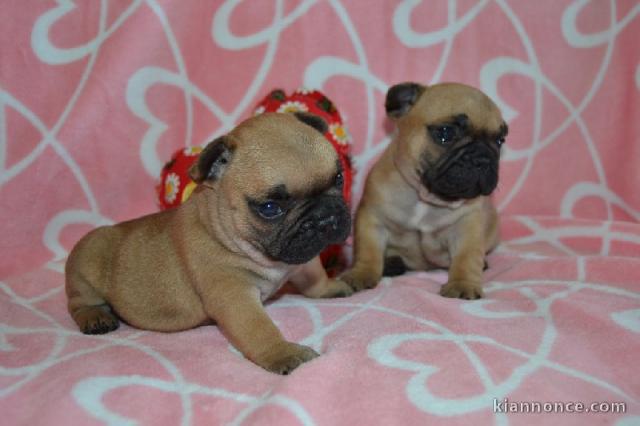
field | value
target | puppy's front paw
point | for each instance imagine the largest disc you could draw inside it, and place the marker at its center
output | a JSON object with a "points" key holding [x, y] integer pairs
{"points": [[359, 280], [338, 288], [286, 357], [329, 289], [462, 290]]}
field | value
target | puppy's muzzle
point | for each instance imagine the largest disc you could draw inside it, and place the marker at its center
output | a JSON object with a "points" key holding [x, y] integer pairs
{"points": [[324, 225], [326, 221], [465, 173]]}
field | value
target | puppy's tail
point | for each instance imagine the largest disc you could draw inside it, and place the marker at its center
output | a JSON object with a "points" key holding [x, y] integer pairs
{"points": [[87, 308]]}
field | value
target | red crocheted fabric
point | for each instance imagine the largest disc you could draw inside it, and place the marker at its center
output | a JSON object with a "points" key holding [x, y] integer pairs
{"points": [[175, 186]]}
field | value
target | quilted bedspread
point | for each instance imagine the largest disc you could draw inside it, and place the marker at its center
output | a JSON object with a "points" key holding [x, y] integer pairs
{"points": [[95, 95]]}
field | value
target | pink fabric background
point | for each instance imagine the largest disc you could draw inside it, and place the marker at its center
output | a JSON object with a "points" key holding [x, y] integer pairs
{"points": [[94, 97]]}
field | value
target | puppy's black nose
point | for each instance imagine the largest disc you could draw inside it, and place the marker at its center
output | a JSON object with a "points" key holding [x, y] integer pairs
{"points": [[322, 224], [329, 223], [481, 161]]}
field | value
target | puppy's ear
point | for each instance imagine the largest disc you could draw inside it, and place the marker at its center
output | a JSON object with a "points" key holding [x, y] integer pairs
{"points": [[213, 160], [312, 120], [401, 97]]}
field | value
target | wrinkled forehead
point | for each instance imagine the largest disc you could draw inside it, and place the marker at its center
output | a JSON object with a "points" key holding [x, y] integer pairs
{"points": [[288, 157], [296, 186], [292, 176], [443, 103]]}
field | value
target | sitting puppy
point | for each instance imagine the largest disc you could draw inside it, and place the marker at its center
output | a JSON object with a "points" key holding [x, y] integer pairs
{"points": [[425, 203], [268, 200]]}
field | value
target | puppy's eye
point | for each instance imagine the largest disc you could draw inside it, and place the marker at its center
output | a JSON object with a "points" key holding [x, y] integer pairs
{"points": [[443, 135], [270, 210], [500, 141], [339, 180]]}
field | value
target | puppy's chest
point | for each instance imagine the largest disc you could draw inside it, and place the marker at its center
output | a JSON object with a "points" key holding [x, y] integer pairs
{"points": [[428, 219], [419, 234], [423, 224], [272, 280]]}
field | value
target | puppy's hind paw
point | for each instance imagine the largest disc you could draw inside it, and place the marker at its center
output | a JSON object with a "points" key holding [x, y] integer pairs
{"points": [[394, 266], [96, 320]]}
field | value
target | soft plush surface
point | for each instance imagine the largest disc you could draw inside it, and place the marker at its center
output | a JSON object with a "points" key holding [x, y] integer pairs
{"points": [[95, 97]]}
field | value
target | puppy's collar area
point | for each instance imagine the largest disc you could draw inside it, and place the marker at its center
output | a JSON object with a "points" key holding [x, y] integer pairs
{"points": [[430, 198]]}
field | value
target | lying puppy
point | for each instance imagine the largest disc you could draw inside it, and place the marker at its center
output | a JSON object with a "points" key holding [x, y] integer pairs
{"points": [[268, 200], [425, 202]]}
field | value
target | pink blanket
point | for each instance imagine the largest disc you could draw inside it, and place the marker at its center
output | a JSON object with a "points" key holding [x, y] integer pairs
{"points": [[95, 96]]}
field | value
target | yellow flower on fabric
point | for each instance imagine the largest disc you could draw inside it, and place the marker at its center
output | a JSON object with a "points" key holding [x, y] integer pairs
{"points": [[340, 133], [171, 186], [293, 106]]}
